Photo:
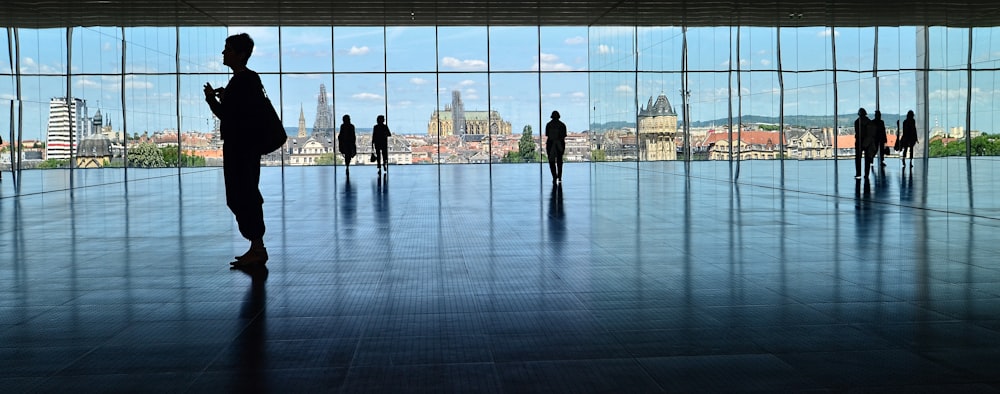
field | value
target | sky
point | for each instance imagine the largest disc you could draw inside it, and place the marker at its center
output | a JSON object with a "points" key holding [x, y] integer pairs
{"points": [[588, 75]]}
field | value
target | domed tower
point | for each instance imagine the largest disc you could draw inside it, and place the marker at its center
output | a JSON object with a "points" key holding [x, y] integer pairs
{"points": [[657, 130]]}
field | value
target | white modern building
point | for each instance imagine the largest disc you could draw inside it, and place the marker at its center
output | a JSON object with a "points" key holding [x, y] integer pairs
{"points": [[66, 120]]}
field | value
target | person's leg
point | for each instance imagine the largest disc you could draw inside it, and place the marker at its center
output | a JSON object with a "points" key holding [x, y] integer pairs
{"points": [[552, 167], [559, 163], [244, 199], [857, 161], [384, 154], [869, 156]]}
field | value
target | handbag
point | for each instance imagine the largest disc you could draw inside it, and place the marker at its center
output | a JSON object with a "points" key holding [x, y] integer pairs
{"points": [[372, 158], [272, 134]]}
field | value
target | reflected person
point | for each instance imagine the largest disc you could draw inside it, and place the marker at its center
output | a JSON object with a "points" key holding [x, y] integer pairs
{"points": [[555, 145], [347, 141], [380, 143], [235, 106]]}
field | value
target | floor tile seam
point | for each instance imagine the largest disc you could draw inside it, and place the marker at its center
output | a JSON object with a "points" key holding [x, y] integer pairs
{"points": [[969, 373]]}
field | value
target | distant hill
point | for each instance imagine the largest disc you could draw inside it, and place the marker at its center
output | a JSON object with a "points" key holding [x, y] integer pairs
{"points": [[357, 130], [807, 121]]}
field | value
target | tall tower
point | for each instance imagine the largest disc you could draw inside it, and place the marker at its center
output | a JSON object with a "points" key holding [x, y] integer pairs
{"points": [[97, 125], [457, 114], [657, 130], [302, 123], [66, 125], [324, 115]]}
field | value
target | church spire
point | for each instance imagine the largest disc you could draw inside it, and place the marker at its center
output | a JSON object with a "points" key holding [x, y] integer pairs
{"points": [[302, 122]]}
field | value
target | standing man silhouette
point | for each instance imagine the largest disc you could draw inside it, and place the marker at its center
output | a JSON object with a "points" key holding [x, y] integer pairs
{"points": [[236, 105], [860, 128], [555, 145]]}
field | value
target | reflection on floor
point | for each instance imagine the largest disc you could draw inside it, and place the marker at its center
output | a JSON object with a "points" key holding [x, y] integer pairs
{"points": [[471, 279]]}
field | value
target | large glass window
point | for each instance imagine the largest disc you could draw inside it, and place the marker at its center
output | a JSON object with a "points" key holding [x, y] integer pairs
{"points": [[467, 94]]}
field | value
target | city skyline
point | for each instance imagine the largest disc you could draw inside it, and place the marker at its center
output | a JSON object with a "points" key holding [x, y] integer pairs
{"points": [[570, 69]]}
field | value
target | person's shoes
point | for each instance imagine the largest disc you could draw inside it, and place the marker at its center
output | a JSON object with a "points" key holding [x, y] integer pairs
{"points": [[250, 258]]}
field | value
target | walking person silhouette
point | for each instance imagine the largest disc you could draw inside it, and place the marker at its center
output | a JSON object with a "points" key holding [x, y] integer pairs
{"points": [[347, 141]]}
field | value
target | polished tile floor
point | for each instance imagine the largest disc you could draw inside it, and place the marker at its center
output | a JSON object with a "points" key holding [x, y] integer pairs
{"points": [[466, 278]]}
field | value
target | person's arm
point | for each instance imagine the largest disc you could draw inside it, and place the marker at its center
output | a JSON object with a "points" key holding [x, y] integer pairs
{"points": [[213, 102]]}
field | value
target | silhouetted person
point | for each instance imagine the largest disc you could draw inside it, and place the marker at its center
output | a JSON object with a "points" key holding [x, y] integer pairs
{"points": [[909, 138], [860, 130], [880, 137], [555, 145], [380, 142], [348, 144], [236, 106]]}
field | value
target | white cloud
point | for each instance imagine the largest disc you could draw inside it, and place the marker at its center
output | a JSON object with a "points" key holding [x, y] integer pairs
{"points": [[765, 62], [418, 81], [467, 82], [605, 50], [551, 62], [578, 95], [826, 33], [366, 96], [555, 95], [623, 89], [577, 40], [358, 51], [465, 65], [86, 83], [129, 84]]}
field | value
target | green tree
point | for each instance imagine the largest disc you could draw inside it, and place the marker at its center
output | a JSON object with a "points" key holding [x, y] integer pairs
{"points": [[937, 148], [327, 159], [512, 157], [526, 146], [598, 155], [986, 145], [53, 163], [172, 154], [145, 155]]}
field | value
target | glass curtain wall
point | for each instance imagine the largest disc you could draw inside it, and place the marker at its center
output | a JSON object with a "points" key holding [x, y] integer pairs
{"points": [[470, 94]]}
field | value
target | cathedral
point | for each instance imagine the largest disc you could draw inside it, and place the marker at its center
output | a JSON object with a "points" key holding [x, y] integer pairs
{"points": [[455, 120], [657, 130], [323, 127]]}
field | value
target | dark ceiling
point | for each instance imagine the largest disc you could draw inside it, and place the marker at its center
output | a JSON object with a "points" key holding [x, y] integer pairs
{"points": [[128, 13]]}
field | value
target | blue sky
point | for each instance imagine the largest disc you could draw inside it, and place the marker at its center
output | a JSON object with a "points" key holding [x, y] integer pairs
{"points": [[498, 67]]}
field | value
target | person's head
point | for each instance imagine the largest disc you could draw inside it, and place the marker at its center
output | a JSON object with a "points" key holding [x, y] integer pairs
{"points": [[878, 114], [380, 119], [238, 50], [347, 118], [862, 112], [555, 115], [909, 114]]}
